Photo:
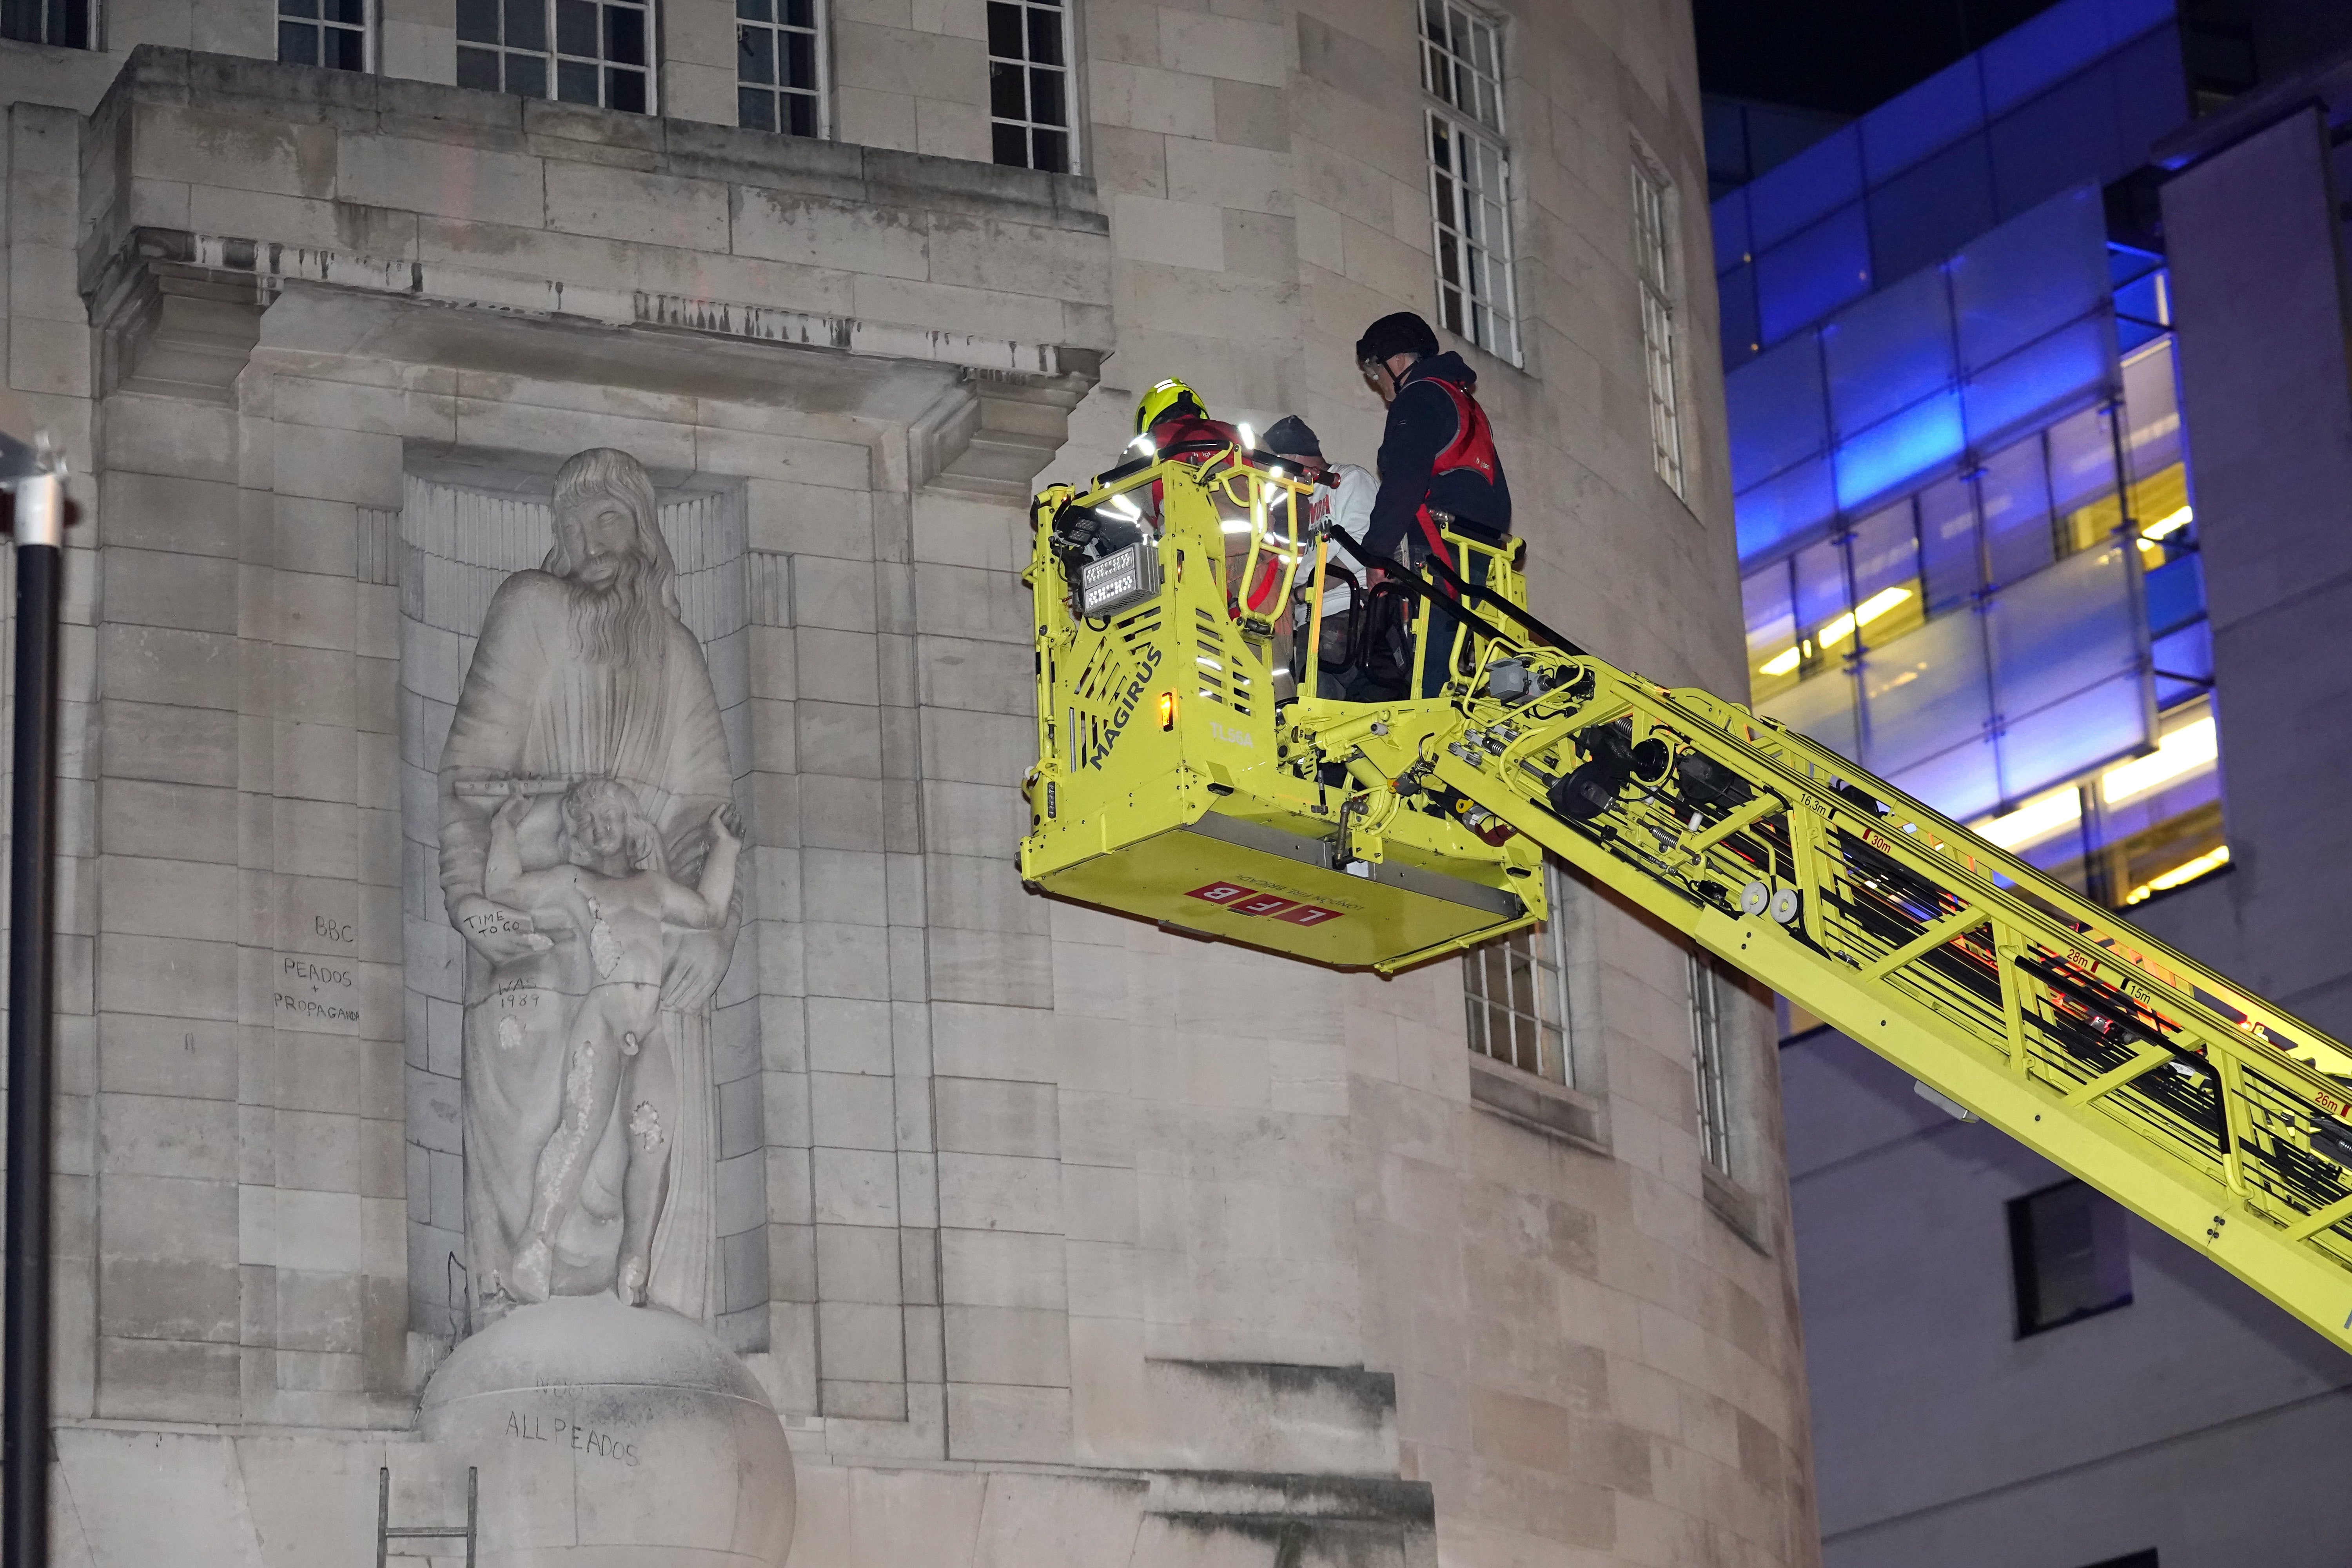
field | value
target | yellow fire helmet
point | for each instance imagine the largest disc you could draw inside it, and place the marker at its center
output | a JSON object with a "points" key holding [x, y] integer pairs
{"points": [[1161, 400]]}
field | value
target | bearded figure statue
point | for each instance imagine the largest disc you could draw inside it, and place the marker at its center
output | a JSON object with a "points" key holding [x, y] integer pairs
{"points": [[587, 687]]}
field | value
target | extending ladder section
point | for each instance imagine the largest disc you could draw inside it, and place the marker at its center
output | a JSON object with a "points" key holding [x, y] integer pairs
{"points": [[2198, 1105]]}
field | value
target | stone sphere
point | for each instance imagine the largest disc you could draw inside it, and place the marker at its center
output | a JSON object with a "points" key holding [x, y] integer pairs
{"points": [[609, 1436]]}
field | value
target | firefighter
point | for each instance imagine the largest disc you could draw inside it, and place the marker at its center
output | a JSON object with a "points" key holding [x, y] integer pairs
{"points": [[1170, 421], [1439, 468]]}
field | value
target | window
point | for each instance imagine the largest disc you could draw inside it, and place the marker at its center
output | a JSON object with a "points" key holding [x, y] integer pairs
{"points": [[580, 51], [776, 54], [1706, 988], [1029, 84], [1653, 231], [1516, 994], [1469, 176], [65, 23], [324, 33], [2071, 1255]]}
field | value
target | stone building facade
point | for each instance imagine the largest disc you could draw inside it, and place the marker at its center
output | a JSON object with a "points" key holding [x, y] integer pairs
{"points": [[1052, 1239]]}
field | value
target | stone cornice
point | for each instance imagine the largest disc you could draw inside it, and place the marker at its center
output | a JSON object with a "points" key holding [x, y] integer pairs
{"points": [[231, 179]]}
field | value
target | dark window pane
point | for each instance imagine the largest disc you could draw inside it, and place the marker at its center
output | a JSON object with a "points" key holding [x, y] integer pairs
{"points": [[1053, 151], [1004, 31], [1948, 543], [625, 91], [1011, 144], [351, 12], [526, 24], [754, 10], [298, 43], [478, 68], [2013, 489], [624, 35], [1046, 97], [575, 30], [297, 7], [755, 110], [1005, 98], [2071, 1252], [477, 21], [575, 81], [527, 75], [800, 60], [755, 59], [1045, 37], [21, 19], [803, 114], [799, 13], [346, 49], [69, 24]]}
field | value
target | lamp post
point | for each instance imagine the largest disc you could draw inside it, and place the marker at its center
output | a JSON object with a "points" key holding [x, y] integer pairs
{"points": [[36, 478]]}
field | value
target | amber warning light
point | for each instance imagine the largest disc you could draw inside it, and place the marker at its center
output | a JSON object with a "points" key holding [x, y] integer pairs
{"points": [[1168, 710]]}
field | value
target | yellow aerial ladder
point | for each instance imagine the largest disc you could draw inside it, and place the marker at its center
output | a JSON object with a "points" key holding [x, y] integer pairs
{"points": [[1180, 780]]}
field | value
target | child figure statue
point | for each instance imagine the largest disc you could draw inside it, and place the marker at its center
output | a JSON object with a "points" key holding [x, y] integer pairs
{"points": [[614, 901]]}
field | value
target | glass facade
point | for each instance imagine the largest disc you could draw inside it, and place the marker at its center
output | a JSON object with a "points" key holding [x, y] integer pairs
{"points": [[2077, 93], [1965, 526]]}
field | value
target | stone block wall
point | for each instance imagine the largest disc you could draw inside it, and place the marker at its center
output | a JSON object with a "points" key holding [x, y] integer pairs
{"points": [[1054, 1238]]}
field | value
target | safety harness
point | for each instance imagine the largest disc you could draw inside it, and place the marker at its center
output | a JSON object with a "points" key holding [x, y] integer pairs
{"points": [[1472, 447]]}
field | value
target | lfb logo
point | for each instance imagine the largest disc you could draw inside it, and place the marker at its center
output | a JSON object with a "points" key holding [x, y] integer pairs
{"points": [[1232, 737], [1243, 899]]}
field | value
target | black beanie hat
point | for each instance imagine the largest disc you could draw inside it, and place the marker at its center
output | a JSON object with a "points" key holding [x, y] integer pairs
{"points": [[1291, 436], [1401, 333]]}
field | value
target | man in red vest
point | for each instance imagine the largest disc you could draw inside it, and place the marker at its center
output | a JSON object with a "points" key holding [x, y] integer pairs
{"points": [[1439, 468]]}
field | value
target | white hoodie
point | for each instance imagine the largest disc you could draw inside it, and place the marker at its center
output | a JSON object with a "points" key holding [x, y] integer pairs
{"points": [[1348, 502]]}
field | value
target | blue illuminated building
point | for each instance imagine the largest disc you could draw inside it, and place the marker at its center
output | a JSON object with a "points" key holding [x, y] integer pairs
{"points": [[1965, 521], [2040, 380]]}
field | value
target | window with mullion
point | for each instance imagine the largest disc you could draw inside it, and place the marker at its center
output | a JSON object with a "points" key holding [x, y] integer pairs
{"points": [[332, 33], [579, 51], [1462, 61], [1652, 236], [1029, 85], [779, 52], [1469, 175], [1469, 191], [65, 24], [1515, 996], [1708, 1079]]}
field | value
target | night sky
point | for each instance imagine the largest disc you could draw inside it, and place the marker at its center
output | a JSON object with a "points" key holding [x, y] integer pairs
{"points": [[1843, 56]]}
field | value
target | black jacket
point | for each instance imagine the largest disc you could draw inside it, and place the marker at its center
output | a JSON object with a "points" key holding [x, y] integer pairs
{"points": [[1421, 423]]}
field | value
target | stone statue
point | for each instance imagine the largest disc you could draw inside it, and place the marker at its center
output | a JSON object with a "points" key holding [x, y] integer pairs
{"points": [[612, 903], [588, 859]]}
